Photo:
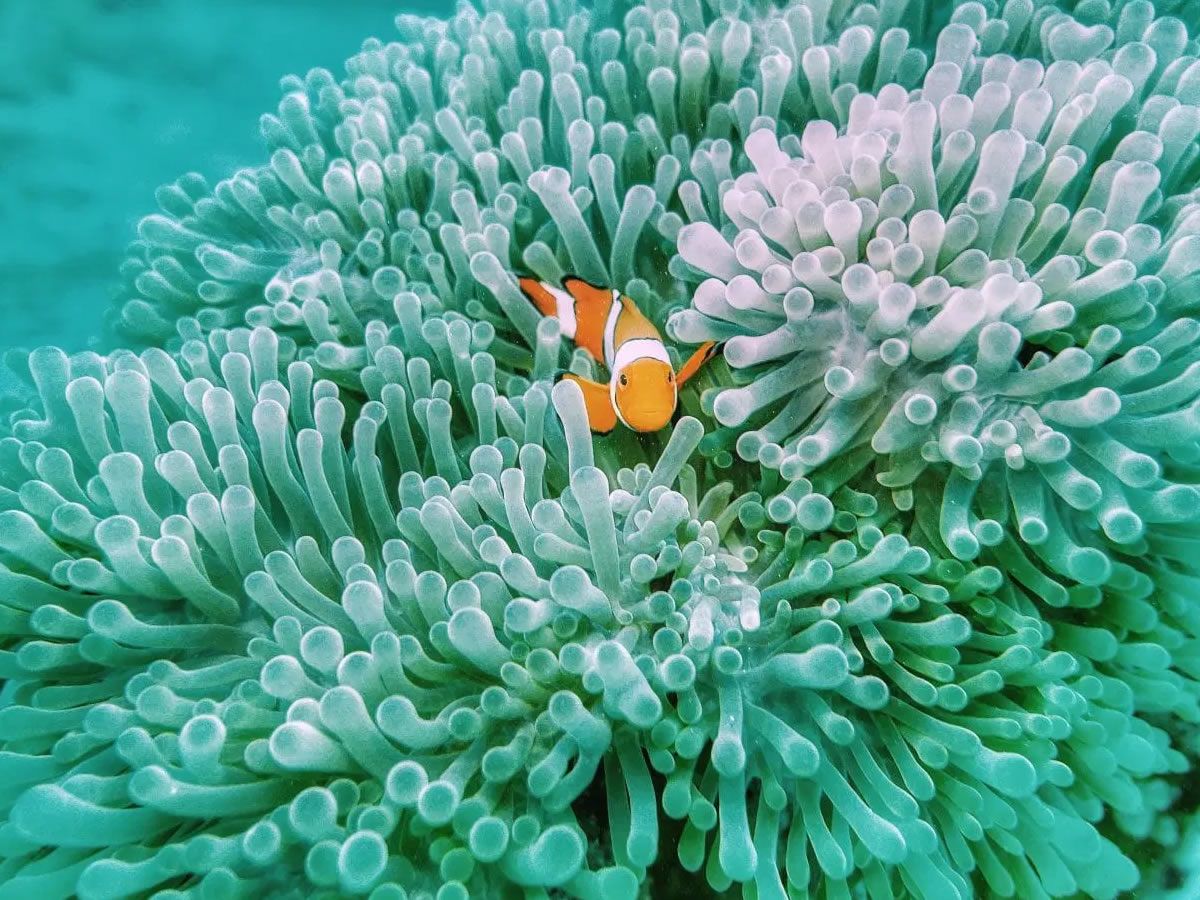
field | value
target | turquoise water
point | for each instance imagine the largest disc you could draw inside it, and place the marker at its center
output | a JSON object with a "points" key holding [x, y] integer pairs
{"points": [[103, 100]]}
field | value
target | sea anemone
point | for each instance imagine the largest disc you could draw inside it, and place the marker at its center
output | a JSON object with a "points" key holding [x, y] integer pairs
{"points": [[320, 586]]}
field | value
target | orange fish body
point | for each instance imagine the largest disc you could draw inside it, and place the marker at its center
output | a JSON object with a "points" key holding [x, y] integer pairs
{"points": [[643, 386]]}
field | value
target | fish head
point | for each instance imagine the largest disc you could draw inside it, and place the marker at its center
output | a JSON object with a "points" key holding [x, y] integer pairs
{"points": [[645, 394]]}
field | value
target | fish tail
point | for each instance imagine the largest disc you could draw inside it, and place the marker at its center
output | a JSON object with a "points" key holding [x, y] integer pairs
{"points": [[539, 295]]}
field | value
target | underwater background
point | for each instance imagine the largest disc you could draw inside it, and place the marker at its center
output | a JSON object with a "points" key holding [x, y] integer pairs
{"points": [[103, 101]]}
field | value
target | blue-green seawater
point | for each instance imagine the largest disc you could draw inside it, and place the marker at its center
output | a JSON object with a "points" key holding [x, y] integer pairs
{"points": [[102, 101]]}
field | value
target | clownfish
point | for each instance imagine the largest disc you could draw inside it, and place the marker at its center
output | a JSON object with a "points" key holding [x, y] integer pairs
{"points": [[643, 387]]}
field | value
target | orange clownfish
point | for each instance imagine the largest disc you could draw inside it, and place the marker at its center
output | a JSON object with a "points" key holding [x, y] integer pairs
{"points": [[643, 388]]}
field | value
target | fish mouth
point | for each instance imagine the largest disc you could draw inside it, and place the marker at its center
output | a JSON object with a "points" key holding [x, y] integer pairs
{"points": [[648, 419]]}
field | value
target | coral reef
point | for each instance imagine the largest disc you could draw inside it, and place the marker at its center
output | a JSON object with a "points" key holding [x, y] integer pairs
{"points": [[322, 587]]}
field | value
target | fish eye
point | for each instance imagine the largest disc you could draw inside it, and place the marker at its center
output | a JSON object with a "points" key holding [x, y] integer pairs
{"points": [[624, 380]]}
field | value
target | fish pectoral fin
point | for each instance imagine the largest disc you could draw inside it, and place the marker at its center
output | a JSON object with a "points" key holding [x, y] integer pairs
{"points": [[696, 361], [602, 418]]}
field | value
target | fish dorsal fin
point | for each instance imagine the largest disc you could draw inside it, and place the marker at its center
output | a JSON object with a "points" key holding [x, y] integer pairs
{"points": [[585, 292]]}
